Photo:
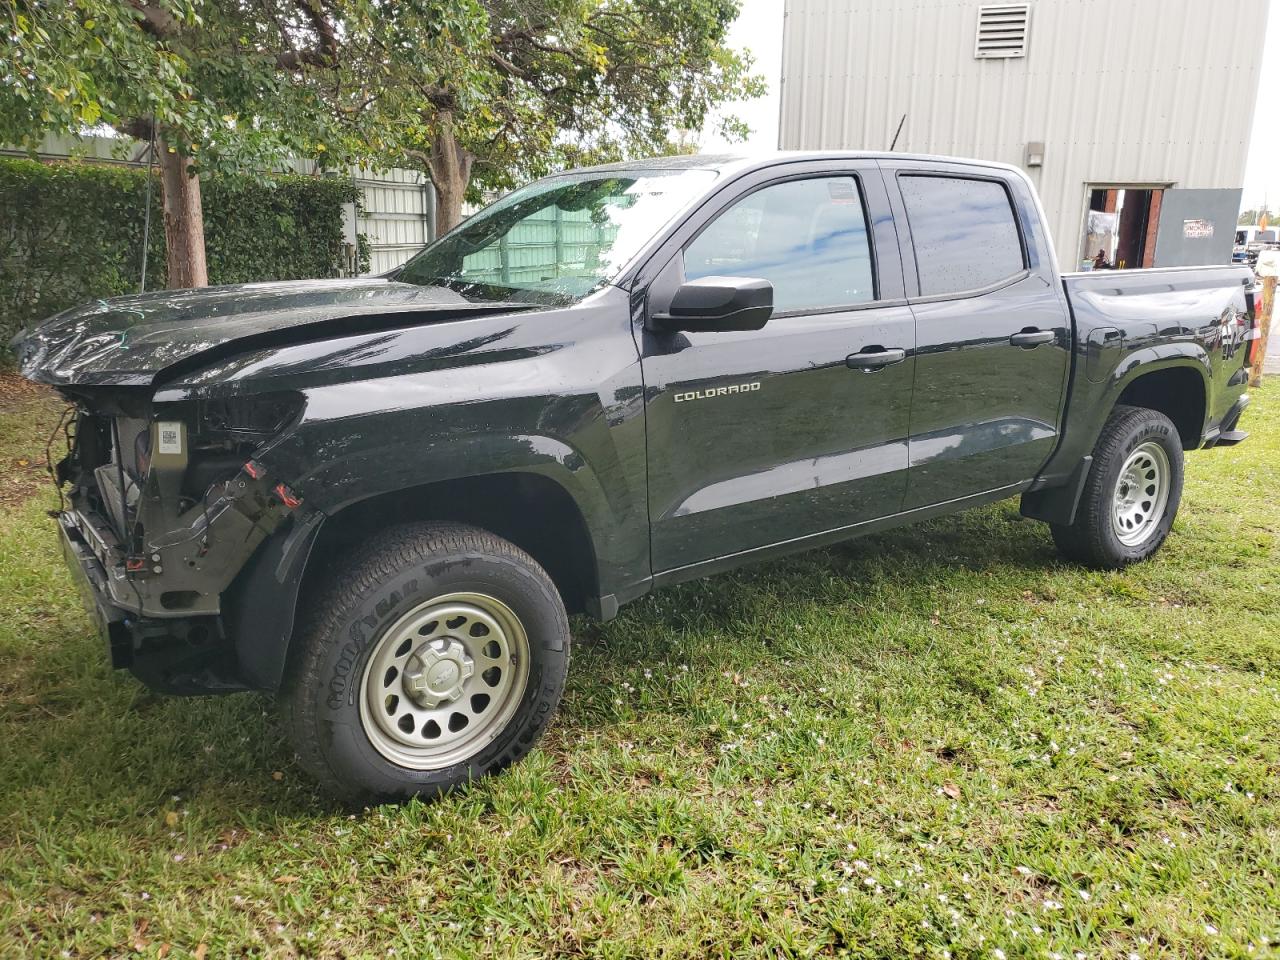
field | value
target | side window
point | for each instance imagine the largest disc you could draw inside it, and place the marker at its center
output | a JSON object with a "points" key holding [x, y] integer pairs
{"points": [[806, 237], [964, 232]]}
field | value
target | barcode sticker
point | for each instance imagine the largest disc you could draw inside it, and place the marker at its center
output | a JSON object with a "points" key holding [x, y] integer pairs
{"points": [[170, 437], [841, 191]]}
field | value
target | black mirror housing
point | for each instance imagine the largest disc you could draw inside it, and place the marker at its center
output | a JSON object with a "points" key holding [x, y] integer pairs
{"points": [[719, 304]]}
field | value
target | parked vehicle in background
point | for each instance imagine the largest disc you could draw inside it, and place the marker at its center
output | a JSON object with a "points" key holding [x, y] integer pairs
{"points": [[1253, 240], [381, 498]]}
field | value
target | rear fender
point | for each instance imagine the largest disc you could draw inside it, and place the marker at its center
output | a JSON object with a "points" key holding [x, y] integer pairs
{"points": [[1055, 494]]}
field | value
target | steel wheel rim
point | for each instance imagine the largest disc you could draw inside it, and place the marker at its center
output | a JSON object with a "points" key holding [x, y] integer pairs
{"points": [[444, 680], [1141, 494]]}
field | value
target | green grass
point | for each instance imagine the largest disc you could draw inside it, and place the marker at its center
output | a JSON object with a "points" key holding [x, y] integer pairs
{"points": [[941, 741]]}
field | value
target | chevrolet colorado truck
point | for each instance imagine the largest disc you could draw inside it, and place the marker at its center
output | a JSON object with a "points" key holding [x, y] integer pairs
{"points": [[378, 498]]}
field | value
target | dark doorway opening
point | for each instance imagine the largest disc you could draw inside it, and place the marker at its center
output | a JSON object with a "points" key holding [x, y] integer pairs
{"points": [[1120, 228]]}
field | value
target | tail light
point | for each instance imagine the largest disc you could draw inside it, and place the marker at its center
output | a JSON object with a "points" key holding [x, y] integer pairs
{"points": [[1253, 336]]}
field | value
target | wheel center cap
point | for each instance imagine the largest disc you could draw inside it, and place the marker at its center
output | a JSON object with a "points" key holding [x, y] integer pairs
{"points": [[437, 672]]}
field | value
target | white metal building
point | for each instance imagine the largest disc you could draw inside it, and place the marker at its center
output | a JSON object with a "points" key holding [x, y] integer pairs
{"points": [[1132, 116]]}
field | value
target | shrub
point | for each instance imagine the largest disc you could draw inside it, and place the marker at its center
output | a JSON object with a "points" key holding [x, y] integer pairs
{"points": [[72, 232]]}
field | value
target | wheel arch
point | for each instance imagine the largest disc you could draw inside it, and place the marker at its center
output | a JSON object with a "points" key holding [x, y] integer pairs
{"points": [[528, 508], [1176, 385], [1178, 388]]}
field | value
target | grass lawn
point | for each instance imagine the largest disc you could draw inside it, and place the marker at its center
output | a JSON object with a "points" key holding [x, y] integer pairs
{"points": [[940, 741]]}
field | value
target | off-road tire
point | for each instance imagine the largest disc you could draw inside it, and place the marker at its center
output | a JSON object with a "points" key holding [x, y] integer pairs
{"points": [[1092, 538], [397, 571]]}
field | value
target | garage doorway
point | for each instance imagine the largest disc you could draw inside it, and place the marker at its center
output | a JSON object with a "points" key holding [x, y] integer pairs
{"points": [[1120, 227]]}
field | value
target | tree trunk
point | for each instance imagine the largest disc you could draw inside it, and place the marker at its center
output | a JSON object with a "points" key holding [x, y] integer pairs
{"points": [[183, 222], [450, 167], [449, 197]]}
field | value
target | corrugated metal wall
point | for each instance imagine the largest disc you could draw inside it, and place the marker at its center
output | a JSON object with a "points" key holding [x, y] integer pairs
{"points": [[397, 215], [1152, 92]]}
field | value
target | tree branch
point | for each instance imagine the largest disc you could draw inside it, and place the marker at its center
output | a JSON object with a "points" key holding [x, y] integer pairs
{"points": [[158, 22], [323, 26], [325, 53], [140, 128], [505, 65], [297, 59]]}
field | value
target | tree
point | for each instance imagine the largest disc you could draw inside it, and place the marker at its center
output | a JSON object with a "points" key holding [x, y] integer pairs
{"points": [[508, 89], [213, 85], [1251, 217], [471, 91]]}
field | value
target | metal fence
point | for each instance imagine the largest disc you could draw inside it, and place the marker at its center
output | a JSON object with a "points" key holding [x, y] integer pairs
{"points": [[398, 216], [549, 244]]}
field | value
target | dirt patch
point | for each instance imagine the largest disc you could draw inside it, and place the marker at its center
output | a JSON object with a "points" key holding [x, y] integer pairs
{"points": [[28, 416], [16, 391]]}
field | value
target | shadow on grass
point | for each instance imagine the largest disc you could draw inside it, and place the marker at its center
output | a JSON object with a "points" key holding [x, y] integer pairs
{"points": [[907, 562], [87, 737]]}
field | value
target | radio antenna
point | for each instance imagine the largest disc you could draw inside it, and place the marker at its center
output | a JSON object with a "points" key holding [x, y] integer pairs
{"points": [[897, 133]]}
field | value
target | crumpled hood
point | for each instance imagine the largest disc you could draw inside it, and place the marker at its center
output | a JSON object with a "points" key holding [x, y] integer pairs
{"points": [[132, 341]]}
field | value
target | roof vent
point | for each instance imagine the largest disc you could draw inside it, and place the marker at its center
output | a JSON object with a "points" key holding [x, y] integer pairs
{"points": [[1002, 30]]}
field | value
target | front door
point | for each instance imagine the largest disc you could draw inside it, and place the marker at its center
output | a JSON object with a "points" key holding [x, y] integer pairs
{"points": [[764, 437], [993, 336]]}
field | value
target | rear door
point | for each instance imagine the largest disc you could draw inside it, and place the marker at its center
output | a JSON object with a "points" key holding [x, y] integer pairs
{"points": [[993, 335], [764, 437]]}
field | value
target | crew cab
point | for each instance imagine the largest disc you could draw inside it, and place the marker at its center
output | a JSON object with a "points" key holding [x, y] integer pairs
{"points": [[379, 498]]}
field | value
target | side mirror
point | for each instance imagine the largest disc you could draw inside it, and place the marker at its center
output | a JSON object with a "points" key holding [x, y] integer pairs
{"points": [[718, 304]]}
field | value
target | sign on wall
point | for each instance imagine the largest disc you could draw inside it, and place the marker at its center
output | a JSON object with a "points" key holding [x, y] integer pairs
{"points": [[1197, 229]]}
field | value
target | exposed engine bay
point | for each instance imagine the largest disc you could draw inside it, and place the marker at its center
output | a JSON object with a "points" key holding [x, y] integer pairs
{"points": [[171, 501], [168, 504]]}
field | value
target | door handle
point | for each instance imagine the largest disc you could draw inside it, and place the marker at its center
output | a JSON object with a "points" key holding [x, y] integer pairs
{"points": [[1030, 338], [870, 359]]}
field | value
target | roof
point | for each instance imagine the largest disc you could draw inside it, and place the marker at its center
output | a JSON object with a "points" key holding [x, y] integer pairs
{"points": [[741, 162]]}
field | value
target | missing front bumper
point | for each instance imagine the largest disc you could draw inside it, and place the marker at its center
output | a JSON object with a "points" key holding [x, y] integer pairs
{"points": [[91, 580], [180, 656]]}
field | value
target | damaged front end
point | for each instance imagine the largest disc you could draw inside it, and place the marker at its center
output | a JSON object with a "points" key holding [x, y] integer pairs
{"points": [[164, 505]]}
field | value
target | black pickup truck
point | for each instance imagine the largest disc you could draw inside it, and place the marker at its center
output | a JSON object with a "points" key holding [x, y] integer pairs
{"points": [[379, 497]]}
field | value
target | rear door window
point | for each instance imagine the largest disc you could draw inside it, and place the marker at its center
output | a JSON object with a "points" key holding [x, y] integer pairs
{"points": [[964, 232]]}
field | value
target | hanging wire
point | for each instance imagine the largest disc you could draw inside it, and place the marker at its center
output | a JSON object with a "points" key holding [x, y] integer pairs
{"points": [[67, 413], [146, 215]]}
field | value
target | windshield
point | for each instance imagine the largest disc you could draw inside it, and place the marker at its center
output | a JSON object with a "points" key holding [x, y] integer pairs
{"points": [[556, 240]]}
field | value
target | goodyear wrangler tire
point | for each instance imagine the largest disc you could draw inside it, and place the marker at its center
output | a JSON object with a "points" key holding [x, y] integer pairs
{"points": [[437, 657], [1132, 494]]}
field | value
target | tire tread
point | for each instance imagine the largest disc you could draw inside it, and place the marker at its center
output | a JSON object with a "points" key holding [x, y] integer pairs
{"points": [[379, 559], [1084, 540]]}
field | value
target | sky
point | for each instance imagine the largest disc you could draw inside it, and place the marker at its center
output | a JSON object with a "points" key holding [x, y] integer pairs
{"points": [[759, 31], [1262, 176]]}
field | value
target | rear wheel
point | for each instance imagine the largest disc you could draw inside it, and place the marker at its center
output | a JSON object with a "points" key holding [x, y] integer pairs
{"points": [[438, 656], [1132, 494]]}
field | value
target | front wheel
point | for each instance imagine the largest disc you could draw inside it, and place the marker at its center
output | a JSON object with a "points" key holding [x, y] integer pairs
{"points": [[436, 657], [1132, 494]]}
